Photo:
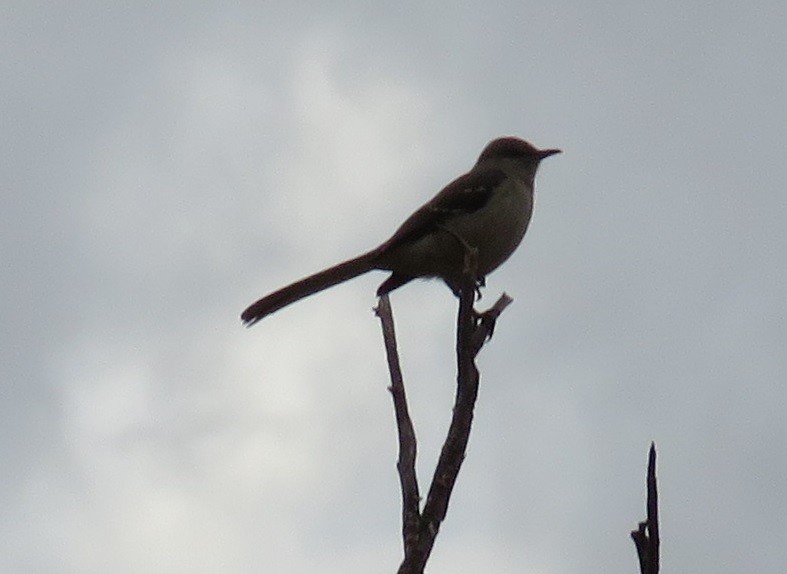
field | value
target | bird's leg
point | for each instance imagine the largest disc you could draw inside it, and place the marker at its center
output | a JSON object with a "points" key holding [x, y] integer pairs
{"points": [[470, 265], [480, 282], [470, 273]]}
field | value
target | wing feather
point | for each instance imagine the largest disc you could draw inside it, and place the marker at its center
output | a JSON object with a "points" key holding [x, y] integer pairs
{"points": [[466, 194]]}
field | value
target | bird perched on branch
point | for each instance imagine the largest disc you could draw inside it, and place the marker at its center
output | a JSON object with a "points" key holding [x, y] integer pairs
{"points": [[471, 226]]}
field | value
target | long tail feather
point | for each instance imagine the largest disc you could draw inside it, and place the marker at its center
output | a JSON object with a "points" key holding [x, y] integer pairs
{"points": [[309, 286]]}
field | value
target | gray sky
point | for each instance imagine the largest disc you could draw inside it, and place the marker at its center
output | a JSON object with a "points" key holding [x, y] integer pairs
{"points": [[164, 166]]}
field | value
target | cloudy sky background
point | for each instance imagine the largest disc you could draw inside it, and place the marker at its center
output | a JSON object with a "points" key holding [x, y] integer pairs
{"points": [[165, 165]]}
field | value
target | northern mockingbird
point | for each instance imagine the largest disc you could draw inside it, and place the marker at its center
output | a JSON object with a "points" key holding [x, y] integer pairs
{"points": [[471, 226]]}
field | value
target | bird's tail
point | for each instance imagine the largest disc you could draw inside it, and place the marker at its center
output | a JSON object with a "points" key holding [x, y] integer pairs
{"points": [[309, 286]]}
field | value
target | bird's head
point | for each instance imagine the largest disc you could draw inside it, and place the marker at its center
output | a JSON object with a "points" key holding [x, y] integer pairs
{"points": [[515, 149]]}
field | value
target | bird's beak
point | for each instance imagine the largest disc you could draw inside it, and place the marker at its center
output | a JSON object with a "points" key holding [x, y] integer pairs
{"points": [[547, 152]]}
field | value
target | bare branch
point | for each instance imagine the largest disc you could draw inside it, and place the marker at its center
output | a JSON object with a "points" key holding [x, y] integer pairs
{"points": [[419, 529], [453, 452], [646, 537], [411, 516]]}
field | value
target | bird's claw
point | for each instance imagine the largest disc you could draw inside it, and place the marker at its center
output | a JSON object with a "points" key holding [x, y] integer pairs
{"points": [[479, 282]]}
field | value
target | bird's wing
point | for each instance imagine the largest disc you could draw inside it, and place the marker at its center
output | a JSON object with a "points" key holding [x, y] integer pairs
{"points": [[466, 194]]}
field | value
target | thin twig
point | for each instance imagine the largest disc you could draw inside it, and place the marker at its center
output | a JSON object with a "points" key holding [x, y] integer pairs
{"points": [[453, 451], [411, 516], [646, 537]]}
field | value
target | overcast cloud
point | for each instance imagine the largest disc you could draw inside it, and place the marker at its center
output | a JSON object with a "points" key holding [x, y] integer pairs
{"points": [[164, 165]]}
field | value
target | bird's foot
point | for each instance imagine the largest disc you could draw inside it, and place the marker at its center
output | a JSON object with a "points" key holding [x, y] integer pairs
{"points": [[479, 282]]}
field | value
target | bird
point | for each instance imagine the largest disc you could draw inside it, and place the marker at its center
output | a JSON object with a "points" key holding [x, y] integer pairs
{"points": [[472, 225]]}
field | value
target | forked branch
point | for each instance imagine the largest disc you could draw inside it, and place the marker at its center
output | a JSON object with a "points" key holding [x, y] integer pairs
{"points": [[420, 528]]}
